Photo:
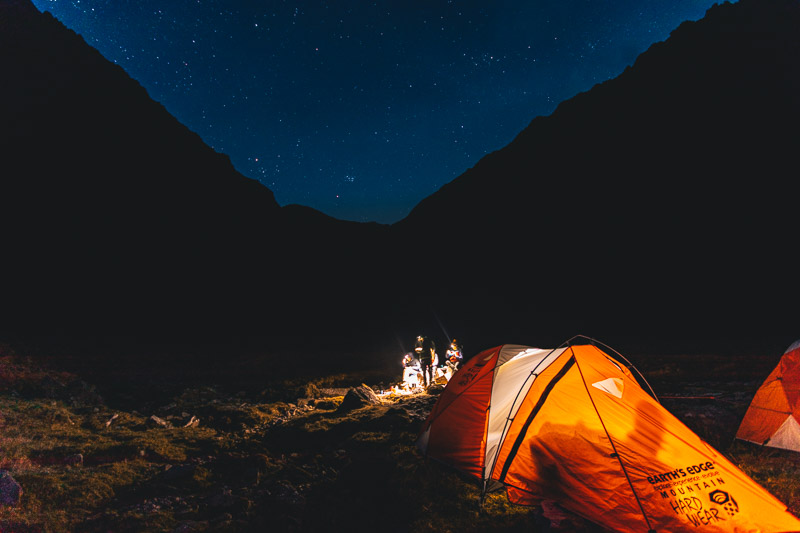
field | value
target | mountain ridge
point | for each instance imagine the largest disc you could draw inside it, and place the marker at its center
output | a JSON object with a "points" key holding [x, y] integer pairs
{"points": [[651, 209], [116, 204], [660, 192]]}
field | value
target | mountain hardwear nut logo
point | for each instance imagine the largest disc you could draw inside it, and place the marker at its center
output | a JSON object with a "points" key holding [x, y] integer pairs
{"points": [[720, 497]]}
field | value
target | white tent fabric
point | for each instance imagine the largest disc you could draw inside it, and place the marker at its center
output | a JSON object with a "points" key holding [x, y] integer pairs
{"points": [[787, 436], [515, 365]]}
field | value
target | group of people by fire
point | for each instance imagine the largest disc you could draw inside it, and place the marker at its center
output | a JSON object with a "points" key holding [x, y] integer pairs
{"points": [[423, 367]]}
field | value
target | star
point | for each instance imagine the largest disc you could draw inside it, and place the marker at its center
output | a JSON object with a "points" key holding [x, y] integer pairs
{"points": [[261, 78]]}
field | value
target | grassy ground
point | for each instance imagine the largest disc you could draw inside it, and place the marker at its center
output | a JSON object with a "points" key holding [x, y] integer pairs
{"points": [[286, 458]]}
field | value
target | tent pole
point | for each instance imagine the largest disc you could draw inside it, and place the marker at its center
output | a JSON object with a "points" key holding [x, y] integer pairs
{"points": [[630, 365]]}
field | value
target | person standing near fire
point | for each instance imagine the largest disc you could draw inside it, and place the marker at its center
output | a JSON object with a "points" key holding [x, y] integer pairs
{"points": [[425, 350]]}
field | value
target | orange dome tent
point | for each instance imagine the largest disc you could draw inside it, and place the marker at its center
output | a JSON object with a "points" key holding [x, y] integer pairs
{"points": [[772, 418], [573, 425]]}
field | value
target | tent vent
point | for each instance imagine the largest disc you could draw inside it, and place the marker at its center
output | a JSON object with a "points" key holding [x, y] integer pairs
{"points": [[612, 386]]}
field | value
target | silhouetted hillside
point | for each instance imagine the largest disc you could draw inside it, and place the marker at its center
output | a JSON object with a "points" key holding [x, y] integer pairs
{"points": [[657, 205], [116, 219], [109, 201]]}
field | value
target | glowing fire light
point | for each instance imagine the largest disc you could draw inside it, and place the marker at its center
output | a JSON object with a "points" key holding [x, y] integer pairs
{"points": [[413, 380]]}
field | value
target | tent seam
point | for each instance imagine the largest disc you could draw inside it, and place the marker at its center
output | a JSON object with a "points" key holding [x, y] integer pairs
{"points": [[468, 387], [616, 455]]}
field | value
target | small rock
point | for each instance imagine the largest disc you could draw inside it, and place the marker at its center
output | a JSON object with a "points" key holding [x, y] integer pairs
{"points": [[74, 460], [10, 490], [155, 421], [192, 423], [327, 404], [359, 397]]}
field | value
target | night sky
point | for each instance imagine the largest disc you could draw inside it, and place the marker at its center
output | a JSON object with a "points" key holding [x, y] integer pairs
{"points": [[361, 109]]}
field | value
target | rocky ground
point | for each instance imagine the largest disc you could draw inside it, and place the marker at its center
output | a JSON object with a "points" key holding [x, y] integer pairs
{"points": [[329, 454]]}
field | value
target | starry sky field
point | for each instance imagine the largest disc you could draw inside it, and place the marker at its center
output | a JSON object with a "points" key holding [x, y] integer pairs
{"points": [[362, 109]]}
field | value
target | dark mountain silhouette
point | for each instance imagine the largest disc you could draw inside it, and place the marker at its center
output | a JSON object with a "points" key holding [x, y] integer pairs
{"points": [[108, 198], [657, 205], [116, 219], [653, 211]]}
